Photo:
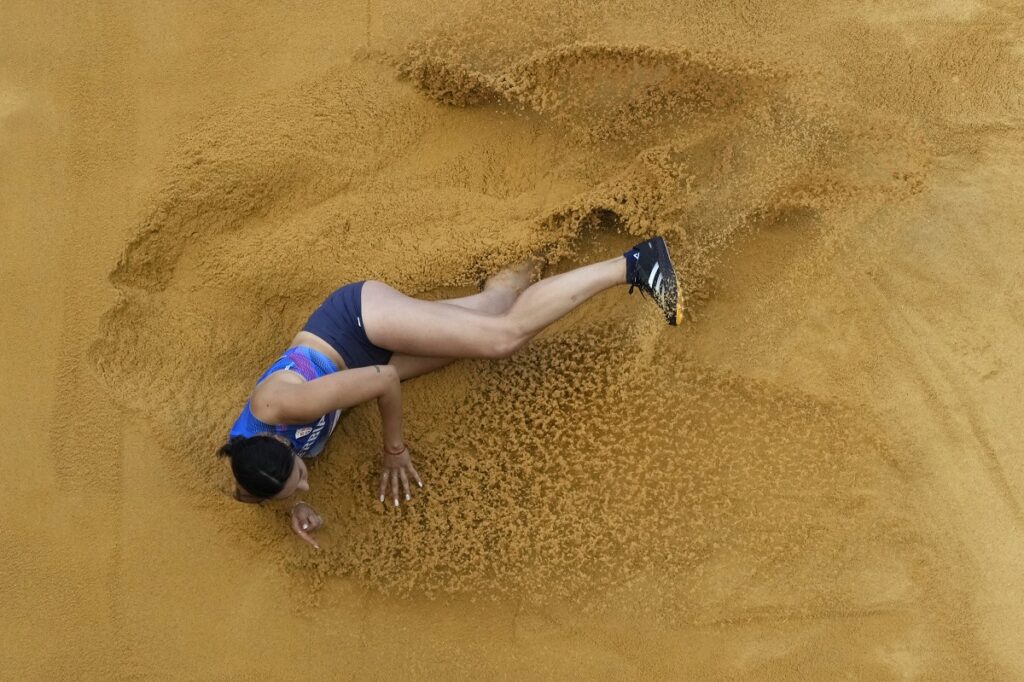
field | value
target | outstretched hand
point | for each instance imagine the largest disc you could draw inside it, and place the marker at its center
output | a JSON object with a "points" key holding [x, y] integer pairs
{"points": [[305, 521], [397, 468]]}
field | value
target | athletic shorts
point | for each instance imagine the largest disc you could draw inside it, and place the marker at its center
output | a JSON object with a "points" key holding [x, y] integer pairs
{"points": [[339, 322]]}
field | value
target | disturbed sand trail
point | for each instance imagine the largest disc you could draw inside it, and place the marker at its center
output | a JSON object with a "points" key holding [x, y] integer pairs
{"points": [[823, 460]]}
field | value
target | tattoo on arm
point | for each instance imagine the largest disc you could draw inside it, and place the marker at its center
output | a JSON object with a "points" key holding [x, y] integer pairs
{"points": [[377, 367]]}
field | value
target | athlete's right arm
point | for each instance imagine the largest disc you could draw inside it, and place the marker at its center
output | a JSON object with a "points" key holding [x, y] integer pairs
{"points": [[299, 403]]}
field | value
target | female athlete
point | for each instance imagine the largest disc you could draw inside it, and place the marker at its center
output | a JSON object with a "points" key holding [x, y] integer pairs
{"points": [[367, 338]]}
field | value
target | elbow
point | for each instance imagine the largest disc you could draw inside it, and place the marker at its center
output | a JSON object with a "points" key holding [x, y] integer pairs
{"points": [[269, 411], [390, 379], [268, 406]]}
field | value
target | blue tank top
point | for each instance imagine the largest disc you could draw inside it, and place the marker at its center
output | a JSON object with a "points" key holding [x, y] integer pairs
{"points": [[307, 440]]}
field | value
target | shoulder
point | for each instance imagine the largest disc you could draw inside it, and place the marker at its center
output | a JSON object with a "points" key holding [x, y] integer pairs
{"points": [[265, 398]]}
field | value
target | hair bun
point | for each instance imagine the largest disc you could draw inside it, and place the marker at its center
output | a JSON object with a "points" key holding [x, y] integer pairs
{"points": [[261, 464], [229, 448]]}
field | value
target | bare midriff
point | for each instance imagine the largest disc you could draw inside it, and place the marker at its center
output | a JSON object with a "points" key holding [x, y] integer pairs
{"points": [[316, 343]]}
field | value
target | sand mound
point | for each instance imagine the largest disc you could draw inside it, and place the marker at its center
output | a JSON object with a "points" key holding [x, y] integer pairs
{"points": [[356, 175]]}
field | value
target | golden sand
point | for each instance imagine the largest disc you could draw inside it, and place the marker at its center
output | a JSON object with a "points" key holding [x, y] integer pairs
{"points": [[817, 476]]}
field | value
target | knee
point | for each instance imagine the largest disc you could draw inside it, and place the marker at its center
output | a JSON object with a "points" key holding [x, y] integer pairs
{"points": [[503, 342]]}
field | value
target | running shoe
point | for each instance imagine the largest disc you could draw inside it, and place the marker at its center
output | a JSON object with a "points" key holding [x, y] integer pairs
{"points": [[649, 267]]}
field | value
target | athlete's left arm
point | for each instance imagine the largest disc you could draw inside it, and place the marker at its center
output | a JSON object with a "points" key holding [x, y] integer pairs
{"points": [[397, 468], [390, 405], [300, 403], [288, 403]]}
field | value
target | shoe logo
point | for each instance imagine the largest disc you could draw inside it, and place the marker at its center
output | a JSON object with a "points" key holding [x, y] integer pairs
{"points": [[305, 431], [636, 255], [654, 273]]}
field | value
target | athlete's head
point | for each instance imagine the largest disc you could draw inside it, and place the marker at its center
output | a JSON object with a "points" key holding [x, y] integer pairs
{"points": [[265, 467]]}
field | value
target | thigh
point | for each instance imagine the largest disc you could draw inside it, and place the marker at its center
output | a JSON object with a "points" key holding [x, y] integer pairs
{"points": [[410, 366], [403, 324]]}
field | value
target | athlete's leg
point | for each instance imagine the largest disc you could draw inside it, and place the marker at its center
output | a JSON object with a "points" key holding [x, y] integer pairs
{"points": [[500, 292], [434, 329]]}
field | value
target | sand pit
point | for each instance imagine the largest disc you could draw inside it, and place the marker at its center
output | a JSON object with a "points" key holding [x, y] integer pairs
{"points": [[815, 476]]}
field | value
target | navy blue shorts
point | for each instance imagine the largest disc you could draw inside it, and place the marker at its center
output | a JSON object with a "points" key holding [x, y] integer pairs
{"points": [[339, 322]]}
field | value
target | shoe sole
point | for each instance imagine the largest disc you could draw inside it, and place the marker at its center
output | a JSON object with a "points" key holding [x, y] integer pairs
{"points": [[662, 246]]}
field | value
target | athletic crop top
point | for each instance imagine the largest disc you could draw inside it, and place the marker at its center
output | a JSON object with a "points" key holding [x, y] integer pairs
{"points": [[307, 440]]}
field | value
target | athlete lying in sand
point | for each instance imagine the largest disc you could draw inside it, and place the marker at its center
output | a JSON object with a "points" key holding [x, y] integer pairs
{"points": [[366, 338]]}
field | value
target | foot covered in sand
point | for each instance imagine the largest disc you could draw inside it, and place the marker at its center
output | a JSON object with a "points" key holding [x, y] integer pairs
{"points": [[515, 278]]}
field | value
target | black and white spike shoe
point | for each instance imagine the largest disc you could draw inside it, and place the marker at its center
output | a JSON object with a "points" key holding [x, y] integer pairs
{"points": [[649, 267]]}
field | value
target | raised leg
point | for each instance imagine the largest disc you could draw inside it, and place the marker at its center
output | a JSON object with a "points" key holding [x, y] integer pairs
{"points": [[436, 329], [499, 293]]}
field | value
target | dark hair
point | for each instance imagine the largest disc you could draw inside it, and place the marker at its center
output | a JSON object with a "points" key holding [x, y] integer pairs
{"points": [[261, 464]]}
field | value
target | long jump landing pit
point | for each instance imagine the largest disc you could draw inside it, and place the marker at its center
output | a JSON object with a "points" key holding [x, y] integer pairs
{"points": [[815, 477]]}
